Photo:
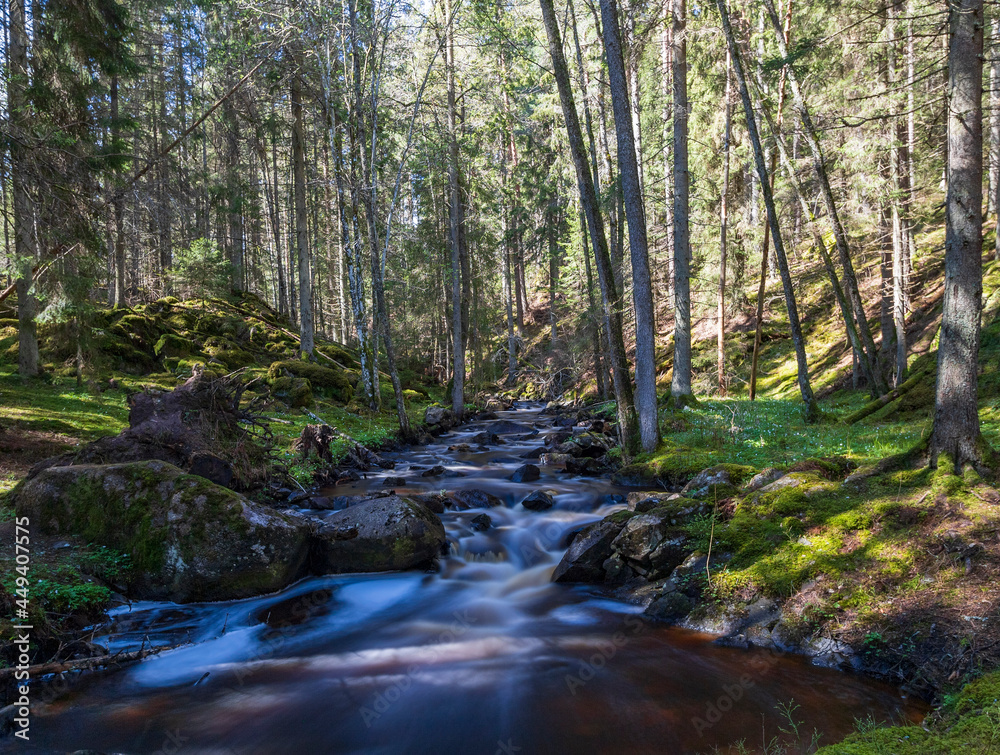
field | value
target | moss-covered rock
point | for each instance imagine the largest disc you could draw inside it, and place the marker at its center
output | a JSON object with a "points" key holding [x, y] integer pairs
{"points": [[382, 534], [170, 345], [332, 383], [296, 392], [188, 539]]}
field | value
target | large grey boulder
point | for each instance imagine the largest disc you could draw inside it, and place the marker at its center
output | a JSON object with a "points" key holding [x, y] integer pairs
{"points": [[584, 561], [651, 546], [188, 539], [382, 534]]}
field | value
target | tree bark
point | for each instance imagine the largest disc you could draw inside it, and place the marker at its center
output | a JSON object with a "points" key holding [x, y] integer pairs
{"points": [[627, 428], [812, 409], [455, 224], [24, 221], [840, 236], [956, 430], [681, 380], [642, 288], [306, 336], [723, 233]]}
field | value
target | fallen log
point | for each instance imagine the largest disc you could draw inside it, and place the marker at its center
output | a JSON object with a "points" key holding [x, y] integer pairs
{"points": [[873, 406]]}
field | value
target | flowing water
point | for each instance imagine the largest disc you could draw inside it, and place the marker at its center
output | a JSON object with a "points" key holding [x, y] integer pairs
{"points": [[485, 655]]}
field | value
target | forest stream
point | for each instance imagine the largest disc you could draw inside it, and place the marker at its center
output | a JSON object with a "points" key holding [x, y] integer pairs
{"points": [[484, 655]]}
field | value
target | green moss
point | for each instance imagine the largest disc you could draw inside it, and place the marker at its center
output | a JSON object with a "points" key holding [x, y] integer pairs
{"points": [[170, 345], [332, 383]]}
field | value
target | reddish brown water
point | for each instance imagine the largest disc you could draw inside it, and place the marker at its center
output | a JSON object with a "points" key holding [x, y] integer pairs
{"points": [[483, 656]]}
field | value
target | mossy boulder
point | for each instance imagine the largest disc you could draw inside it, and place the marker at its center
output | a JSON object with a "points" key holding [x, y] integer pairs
{"points": [[189, 539], [331, 382], [296, 392], [381, 534], [170, 345]]}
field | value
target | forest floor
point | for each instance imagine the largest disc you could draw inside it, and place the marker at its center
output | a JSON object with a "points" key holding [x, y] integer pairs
{"points": [[903, 566]]}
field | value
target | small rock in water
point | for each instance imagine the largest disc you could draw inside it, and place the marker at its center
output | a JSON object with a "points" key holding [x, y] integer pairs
{"points": [[299, 497], [434, 501], [482, 522], [534, 453], [435, 471], [526, 473], [475, 499], [538, 501], [487, 439], [463, 448], [348, 475], [506, 427], [584, 466], [393, 481]]}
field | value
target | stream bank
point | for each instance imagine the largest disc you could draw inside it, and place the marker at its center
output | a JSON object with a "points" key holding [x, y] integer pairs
{"points": [[485, 649]]}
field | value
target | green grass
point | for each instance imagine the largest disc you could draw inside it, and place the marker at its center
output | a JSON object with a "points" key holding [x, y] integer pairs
{"points": [[968, 722], [55, 405]]}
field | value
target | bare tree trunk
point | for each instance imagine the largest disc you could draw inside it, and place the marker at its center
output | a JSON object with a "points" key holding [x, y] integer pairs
{"points": [[24, 221], [666, 45], [840, 236], [956, 432], [642, 289], [306, 342], [900, 220], [812, 409], [117, 232], [681, 380], [723, 232], [766, 242], [599, 373], [456, 220], [994, 153], [627, 428]]}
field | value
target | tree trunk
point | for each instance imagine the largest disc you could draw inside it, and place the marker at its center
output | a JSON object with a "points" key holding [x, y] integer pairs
{"points": [[306, 343], [24, 220], [627, 428], [723, 232], [599, 373], [956, 412], [681, 381], [455, 220], [116, 233], [812, 410], [766, 242], [642, 289], [840, 236]]}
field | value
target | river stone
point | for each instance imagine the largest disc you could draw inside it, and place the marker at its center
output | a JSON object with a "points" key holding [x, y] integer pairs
{"points": [[651, 546], [481, 522], [534, 453], [584, 561], [759, 480], [538, 501], [189, 540], [487, 439], [707, 480], [474, 498], [506, 427], [390, 482], [436, 471], [393, 533], [439, 416], [645, 501], [584, 466], [526, 473], [554, 460], [436, 502]]}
